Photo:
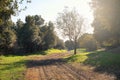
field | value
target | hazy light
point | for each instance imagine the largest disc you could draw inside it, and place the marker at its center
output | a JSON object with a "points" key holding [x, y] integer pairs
{"points": [[49, 10]]}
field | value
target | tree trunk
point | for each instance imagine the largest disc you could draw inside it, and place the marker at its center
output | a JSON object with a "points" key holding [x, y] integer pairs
{"points": [[75, 51]]}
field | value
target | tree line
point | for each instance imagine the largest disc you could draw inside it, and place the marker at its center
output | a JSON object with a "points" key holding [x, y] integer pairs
{"points": [[33, 35]]}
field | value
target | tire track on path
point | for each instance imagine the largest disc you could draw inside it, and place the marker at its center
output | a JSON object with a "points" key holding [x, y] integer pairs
{"points": [[51, 67]]}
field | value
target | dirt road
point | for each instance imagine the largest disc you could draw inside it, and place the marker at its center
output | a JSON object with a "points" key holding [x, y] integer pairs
{"points": [[53, 67]]}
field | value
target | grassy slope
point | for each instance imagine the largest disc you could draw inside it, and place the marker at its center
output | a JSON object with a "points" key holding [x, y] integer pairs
{"points": [[102, 61], [96, 58]]}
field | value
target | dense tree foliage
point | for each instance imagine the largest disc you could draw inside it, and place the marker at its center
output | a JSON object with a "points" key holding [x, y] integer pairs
{"points": [[8, 36], [29, 38], [107, 22], [33, 35], [49, 37]]}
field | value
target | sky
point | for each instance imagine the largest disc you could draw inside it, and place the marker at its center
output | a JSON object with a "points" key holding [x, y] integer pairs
{"points": [[49, 10]]}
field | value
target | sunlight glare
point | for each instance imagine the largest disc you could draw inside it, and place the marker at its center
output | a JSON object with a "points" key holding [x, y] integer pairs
{"points": [[84, 9]]}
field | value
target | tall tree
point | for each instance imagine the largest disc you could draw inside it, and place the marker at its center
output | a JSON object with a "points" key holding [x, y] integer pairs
{"points": [[8, 8], [106, 22], [70, 22], [30, 34], [7, 37], [49, 37], [7, 34], [18, 29]]}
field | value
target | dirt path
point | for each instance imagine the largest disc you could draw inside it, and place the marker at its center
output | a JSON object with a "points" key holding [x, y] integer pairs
{"points": [[53, 67]]}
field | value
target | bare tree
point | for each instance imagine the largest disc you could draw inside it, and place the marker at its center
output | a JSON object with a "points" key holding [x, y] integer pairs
{"points": [[70, 23]]}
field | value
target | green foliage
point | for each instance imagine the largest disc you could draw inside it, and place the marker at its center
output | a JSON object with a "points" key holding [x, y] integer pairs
{"points": [[12, 67], [7, 33], [8, 8], [87, 41], [19, 25], [29, 34], [7, 37], [59, 44], [34, 35], [49, 37]]}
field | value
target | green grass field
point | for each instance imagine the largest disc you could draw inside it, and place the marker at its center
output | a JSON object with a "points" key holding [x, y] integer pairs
{"points": [[12, 67]]}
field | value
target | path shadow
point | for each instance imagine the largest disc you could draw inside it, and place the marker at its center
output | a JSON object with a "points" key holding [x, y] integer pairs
{"points": [[36, 63], [104, 62]]}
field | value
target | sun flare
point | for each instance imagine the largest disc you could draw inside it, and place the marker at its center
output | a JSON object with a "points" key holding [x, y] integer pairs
{"points": [[49, 10]]}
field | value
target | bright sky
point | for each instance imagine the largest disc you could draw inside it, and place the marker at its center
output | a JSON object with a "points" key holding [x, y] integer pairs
{"points": [[49, 10]]}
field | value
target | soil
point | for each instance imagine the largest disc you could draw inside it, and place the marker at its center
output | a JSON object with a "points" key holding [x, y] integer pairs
{"points": [[54, 67]]}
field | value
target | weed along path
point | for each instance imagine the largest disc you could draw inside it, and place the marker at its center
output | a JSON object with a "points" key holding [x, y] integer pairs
{"points": [[54, 67]]}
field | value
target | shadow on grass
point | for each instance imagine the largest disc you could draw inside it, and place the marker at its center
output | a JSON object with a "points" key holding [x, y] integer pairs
{"points": [[104, 62]]}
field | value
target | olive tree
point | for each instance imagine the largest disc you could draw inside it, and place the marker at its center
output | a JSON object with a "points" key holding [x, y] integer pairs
{"points": [[70, 23]]}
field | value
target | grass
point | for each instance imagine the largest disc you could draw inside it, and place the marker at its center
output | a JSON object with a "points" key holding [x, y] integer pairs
{"points": [[53, 51], [77, 58], [12, 67], [82, 50], [103, 58], [80, 57], [95, 58]]}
